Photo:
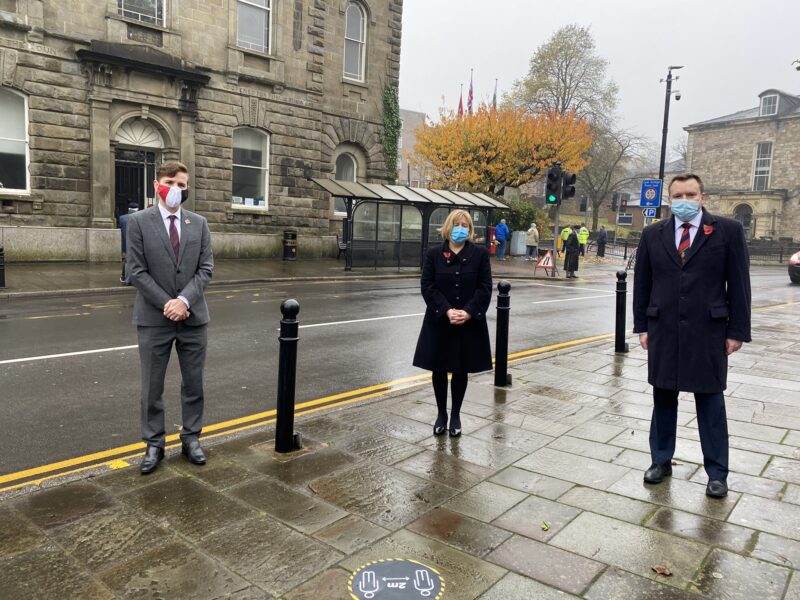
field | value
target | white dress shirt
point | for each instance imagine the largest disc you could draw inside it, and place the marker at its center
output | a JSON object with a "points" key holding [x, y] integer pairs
{"points": [[698, 218], [165, 215]]}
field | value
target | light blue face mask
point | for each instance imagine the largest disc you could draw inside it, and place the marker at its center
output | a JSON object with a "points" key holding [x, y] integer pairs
{"points": [[459, 234], [685, 210]]}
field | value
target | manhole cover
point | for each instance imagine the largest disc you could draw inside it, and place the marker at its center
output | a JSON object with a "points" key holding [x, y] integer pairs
{"points": [[396, 579]]}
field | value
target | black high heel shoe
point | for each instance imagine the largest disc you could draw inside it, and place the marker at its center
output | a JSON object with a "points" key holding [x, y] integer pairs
{"points": [[440, 426], [455, 426]]}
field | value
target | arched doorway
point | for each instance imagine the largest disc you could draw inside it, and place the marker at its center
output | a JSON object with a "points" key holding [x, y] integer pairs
{"points": [[744, 214], [137, 150]]}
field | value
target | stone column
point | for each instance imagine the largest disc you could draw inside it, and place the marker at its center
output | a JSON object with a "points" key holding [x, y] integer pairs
{"points": [[102, 200], [187, 153]]}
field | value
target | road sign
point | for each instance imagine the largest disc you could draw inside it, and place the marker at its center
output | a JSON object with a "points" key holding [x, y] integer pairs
{"points": [[547, 263], [649, 213], [651, 193]]}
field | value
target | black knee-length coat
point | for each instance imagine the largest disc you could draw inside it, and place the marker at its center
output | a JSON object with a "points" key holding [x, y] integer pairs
{"points": [[462, 281], [573, 249], [689, 309]]}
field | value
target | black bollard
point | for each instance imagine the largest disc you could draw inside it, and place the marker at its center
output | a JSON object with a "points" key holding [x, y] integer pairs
{"points": [[501, 376], [2, 267], [286, 440], [622, 299]]}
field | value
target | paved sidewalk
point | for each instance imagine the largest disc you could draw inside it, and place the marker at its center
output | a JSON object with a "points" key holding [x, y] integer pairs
{"points": [[43, 279], [543, 494]]}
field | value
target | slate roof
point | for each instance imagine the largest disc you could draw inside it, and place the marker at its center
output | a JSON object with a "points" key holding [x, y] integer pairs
{"points": [[788, 105]]}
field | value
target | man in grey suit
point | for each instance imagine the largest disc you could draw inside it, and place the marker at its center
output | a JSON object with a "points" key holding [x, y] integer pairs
{"points": [[170, 264]]}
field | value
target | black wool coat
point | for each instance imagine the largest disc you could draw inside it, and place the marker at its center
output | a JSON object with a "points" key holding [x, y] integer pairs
{"points": [[573, 249], [688, 310], [462, 281]]}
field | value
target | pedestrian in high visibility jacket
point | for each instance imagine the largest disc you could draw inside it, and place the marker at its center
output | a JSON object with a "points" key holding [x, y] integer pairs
{"points": [[565, 233], [583, 237]]}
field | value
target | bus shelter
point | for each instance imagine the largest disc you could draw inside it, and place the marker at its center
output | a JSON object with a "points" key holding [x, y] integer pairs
{"points": [[393, 225]]}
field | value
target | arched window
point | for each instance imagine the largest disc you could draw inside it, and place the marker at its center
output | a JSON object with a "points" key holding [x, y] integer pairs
{"points": [[355, 41], [250, 168], [346, 170], [13, 142]]}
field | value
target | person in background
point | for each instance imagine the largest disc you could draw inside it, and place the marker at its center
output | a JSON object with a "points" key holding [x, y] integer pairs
{"points": [[133, 206], [501, 234], [532, 243], [583, 238], [457, 288], [572, 251], [602, 239], [564, 236]]}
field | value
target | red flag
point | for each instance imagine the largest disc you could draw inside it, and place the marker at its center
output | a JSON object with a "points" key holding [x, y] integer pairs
{"points": [[461, 106], [469, 94]]}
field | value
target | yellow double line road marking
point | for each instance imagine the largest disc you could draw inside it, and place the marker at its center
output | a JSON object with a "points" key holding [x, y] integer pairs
{"points": [[115, 458]]}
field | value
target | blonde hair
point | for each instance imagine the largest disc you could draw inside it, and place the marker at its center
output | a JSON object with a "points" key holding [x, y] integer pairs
{"points": [[456, 215]]}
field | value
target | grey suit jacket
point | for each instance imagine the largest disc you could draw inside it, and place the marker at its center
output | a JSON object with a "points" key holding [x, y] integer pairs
{"points": [[156, 274]]}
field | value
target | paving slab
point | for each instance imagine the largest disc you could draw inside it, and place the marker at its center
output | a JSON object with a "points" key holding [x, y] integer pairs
{"points": [[532, 483], [466, 577], [702, 529], [46, 573], [173, 571], [578, 469], [610, 505], [487, 454], [462, 532], [502, 433], [350, 534], [630, 547], [777, 550], [582, 447], [60, 505], [443, 468], [537, 518], [596, 432], [547, 564], [299, 470], [793, 591], [675, 493], [747, 484], [617, 584], [641, 461], [792, 494], [18, 534], [734, 577], [379, 447], [783, 469], [328, 585], [218, 473], [270, 554], [771, 516], [517, 587], [385, 496], [486, 501], [187, 506]]}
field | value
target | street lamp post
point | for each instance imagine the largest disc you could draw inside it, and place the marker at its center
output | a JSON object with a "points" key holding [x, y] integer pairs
{"points": [[666, 128]]}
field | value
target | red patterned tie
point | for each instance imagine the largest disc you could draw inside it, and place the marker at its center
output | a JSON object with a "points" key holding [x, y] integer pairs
{"points": [[176, 241], [685, 242]]}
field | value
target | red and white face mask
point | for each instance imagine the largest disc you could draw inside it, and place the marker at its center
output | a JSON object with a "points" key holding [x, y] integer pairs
{"points": [[173, 196]]}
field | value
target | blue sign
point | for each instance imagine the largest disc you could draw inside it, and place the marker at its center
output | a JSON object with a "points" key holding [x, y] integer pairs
{"points": [[649, 213], [651, 193]]}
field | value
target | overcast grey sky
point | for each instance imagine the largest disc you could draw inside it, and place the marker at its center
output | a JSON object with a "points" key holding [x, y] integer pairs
{"points": [[732, 50]]}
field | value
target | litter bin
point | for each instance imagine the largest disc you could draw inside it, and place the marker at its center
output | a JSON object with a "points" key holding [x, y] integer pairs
{"points": [[289, 245]]}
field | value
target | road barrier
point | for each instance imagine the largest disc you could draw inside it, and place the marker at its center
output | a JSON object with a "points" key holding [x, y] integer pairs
{"points": [[501, 376], [286, 439], [622, 299]]}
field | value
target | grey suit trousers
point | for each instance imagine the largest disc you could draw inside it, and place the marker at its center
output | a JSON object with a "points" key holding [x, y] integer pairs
{"points": [[155, 347]]}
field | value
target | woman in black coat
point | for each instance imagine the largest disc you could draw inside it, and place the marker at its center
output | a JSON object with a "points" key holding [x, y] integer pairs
{"points": [[573, 248], [457, 288]]}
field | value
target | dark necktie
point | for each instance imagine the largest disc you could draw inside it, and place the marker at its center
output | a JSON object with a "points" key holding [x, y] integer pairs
{"points": [[685, 242], [173, 236]]}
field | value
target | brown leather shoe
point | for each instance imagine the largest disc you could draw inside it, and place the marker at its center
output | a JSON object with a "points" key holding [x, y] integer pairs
{"points": [[152, 456]]}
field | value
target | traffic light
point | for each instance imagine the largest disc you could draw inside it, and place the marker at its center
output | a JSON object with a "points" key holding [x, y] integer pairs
{"points": [[552, 191], [614, 201], [568, 184], [583, 204]]}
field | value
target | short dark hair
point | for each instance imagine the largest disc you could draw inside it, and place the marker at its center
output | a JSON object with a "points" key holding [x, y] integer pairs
{"points": [[170, 169], [686, 177]]}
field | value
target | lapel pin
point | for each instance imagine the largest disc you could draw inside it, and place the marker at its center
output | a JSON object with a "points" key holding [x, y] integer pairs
{"points": [[187, 221]]}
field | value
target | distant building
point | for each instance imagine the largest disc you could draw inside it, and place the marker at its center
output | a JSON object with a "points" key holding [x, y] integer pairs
{"points": [[409, 173], [750, 165]]}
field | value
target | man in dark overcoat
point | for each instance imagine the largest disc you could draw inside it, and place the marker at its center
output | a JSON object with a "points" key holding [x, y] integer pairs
{"points": [[572, 257], [691, 307]]}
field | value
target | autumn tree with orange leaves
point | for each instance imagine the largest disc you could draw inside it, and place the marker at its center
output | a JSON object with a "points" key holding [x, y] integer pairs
{"points": [[493, 149]]}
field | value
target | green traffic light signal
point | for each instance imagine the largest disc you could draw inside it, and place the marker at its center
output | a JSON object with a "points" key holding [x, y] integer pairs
{"points": [[551, 198]]}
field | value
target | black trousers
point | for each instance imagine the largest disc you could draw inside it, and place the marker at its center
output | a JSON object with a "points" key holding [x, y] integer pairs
{"points": [[711, 421]]}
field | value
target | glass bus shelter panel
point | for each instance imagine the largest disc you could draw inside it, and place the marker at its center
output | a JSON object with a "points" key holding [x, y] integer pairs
{"points": [[411, 237], [388, 244], [436, 221], [479, 224], [364, 234]]}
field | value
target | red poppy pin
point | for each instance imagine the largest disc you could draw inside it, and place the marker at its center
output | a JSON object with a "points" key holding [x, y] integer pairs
{"points": [[708, 229], [447, 255]]}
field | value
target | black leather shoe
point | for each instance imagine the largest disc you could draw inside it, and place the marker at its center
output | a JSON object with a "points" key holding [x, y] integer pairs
{"points": [[440, 426], [193, 452], [152, 456], [656, 473], [455, 426], [717, 488]]}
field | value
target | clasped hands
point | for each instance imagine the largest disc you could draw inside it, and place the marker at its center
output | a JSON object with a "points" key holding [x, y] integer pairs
{"points": [[176, 310], [457, 316]]}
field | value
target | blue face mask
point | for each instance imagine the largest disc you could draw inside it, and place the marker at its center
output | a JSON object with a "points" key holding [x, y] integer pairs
{"points": [[459, 234], [685, 210]]}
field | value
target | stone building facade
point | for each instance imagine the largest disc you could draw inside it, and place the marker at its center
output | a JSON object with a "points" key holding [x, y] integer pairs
{"points": [[255, 96], [409, 171], [750, 165]]}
